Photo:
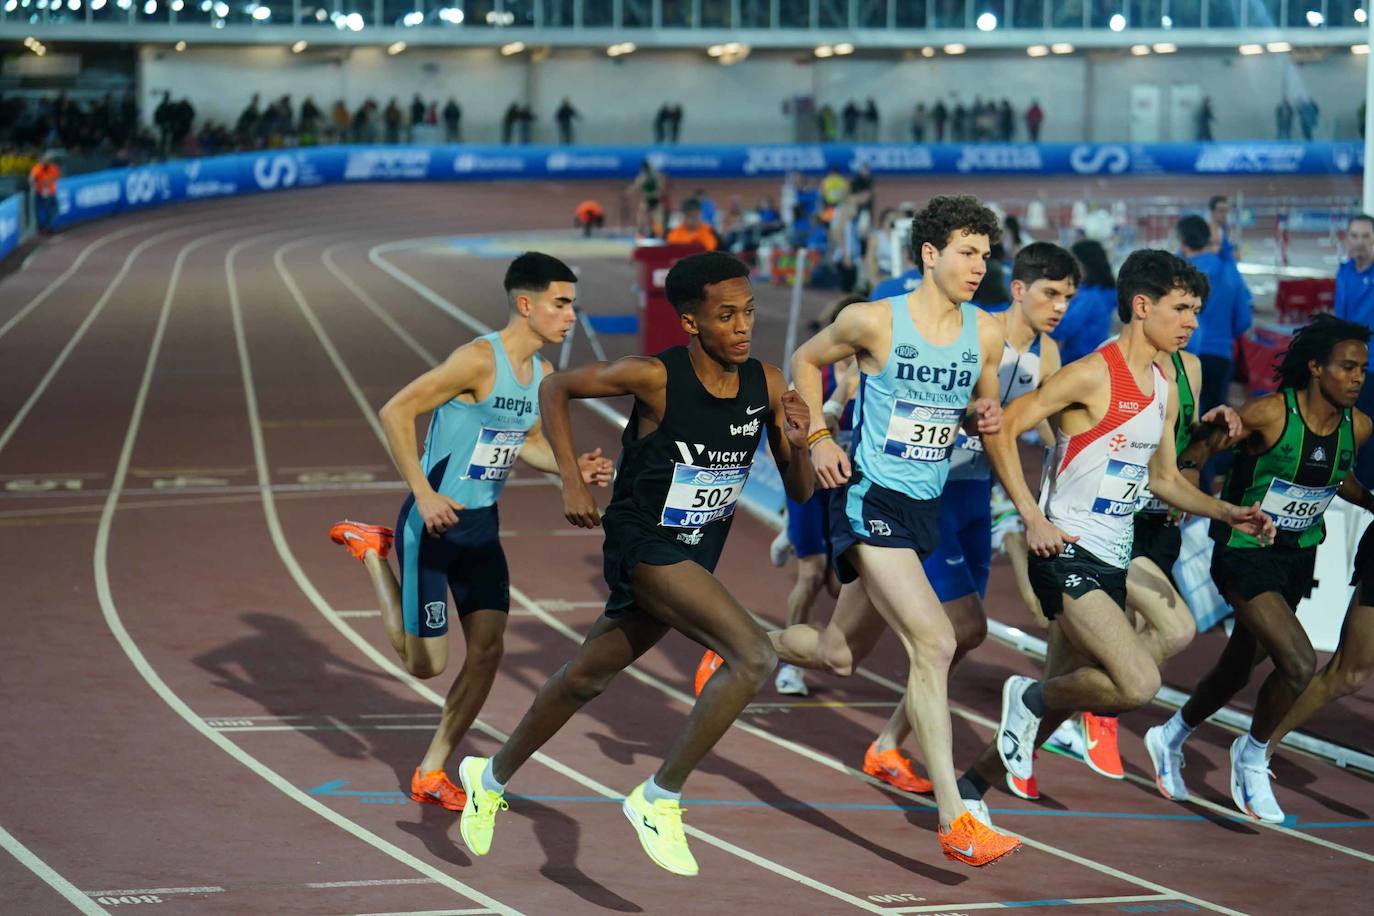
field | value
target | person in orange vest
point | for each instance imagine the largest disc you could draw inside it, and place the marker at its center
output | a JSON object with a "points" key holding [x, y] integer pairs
{"points": [[43, 180], [589, 215], [692, 231]]}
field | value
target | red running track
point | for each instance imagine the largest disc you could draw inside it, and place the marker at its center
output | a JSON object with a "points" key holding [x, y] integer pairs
{"points": [[200, 711]]}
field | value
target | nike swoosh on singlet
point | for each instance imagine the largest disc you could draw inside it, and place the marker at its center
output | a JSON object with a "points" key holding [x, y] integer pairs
{"points": [[753, 410]]}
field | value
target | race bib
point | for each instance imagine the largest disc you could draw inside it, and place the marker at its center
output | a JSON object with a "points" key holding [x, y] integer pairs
{"points": [[494, 453], [1123, 486], [699, 496], [1153, 505], [1295, 508], [918, 432]]}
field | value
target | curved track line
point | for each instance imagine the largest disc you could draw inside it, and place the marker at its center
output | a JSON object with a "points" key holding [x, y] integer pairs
{"points": [[155, 681], [464, 318], [663, 687], [75, 897], [331, 614]]}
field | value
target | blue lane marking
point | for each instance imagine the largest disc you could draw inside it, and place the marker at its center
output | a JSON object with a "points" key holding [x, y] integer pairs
{"points": [[336, 788]]}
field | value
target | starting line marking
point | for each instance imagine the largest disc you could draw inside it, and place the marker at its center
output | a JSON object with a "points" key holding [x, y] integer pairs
{"points": [[953, 908]]}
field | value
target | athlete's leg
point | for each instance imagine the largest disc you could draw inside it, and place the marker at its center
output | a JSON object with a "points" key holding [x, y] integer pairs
{"points": [[611, 646], [811, 576], [1124, 676], [901, 593], [1168, 625], [484, 632], [1270, 623], [1349, 669], [1014, 545], [838, 647], [687, 598]]}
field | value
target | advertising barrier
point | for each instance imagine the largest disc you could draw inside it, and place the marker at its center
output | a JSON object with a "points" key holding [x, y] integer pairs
{"points": [[10, 210], [99, 194]]}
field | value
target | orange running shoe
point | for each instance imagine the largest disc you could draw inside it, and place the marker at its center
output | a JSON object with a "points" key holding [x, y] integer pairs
{"points": [[1099, 739], [705, 668], [435, 788], [359, 538], [974, 843], [895, 769], [1028, 789]]}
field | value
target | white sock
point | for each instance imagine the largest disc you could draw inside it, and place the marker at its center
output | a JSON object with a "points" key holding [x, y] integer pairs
{"points": [[489, 781], [653, 792], [1254, 752], [1176, 731]]}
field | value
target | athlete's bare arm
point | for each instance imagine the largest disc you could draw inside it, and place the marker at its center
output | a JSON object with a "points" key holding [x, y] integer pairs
{"points": [[1168, 484], [469, 371], [789, 422], [1260, 425], [860, 330], [1051, 362], [1352, 491], [538, 454], [986, 408], [1066, 389], [642, 376]]}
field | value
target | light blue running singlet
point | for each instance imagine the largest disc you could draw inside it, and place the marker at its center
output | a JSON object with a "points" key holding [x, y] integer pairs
{"points": [[907, 417], [473, 446]]}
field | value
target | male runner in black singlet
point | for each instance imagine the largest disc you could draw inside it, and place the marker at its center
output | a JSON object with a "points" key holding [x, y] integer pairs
{"points": [[699, 413]]}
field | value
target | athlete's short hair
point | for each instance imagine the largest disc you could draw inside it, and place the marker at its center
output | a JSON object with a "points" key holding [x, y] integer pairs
{"points": [[1314, 343], [533, 271], [1361, 218], [1154, 273], [943, 216], [1194, 232], [687, 280], [1044, 261]]}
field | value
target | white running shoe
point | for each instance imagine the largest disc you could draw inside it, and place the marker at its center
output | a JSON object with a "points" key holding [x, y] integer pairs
{"points": [[781, 549], [1168, 764], [790, 681], [979, 809], [1016, 735], [1068, 737], [1250, 788]]}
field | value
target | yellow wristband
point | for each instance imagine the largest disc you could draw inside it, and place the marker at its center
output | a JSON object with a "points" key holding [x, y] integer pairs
{"points": [[817, 436]]}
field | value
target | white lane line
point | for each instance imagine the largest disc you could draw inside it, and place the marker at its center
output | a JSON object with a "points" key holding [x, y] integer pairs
{"points": [[430, 913], [160, 891], [308, 587], [792, 746], [1051, 901], [43, 870], [155, 681], [374, 882], [81, 332], [40, 297], [382, 314]]}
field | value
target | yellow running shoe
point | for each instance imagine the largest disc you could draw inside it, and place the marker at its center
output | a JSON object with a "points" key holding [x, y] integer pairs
{"points": [[479, 815], [660, 831]]}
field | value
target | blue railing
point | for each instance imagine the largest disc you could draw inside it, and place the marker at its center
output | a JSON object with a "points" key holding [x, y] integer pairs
{"points": [[106, 193]]}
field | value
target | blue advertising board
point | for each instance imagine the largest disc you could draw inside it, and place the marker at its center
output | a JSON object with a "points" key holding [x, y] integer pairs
{"points": [[99, 194], [9, 223]]}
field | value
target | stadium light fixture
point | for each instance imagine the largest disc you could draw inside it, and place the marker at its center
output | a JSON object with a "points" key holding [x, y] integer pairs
{"points": [[221, 9], [261, 13], [11, 5], [299, 46], [396, 47], [1061, 47], [354, 21], [1278, 47], [987, 22], [1315, 18], [1165, 47], [150, 8], [412, 19], [1117, 23], [513, 48], [1251, 50], [955, 49], [1038, 50], [844, 48], [321, 15], [1166, 22], [927, 51], [97, 4], [1359, 50], [625, 47], [452, 15], [821, 51], [75, 5], [180, 46], [1360, 15], [1140, 50], [177, 5]]}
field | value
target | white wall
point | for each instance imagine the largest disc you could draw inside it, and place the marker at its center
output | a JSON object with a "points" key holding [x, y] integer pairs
{"points": [[1084, 96]]}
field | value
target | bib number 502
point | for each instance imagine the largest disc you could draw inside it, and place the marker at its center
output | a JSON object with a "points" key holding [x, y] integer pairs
{"points": [[711, 498]]}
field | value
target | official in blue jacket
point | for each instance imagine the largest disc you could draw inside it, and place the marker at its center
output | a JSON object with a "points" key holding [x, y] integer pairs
{"points": [[1355, 302], [1226, 314], [1087, 322]]}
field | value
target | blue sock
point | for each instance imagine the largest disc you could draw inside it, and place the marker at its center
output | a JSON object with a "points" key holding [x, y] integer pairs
{"points": [[653, 792], [489, 781]]}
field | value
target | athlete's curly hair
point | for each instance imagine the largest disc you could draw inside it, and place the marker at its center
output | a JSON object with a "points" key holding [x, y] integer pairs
{"points": [[1314, 343], [943, 216]]}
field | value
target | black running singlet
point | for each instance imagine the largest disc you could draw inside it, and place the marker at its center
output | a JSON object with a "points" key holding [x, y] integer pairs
{"points": [[683, 480]]}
